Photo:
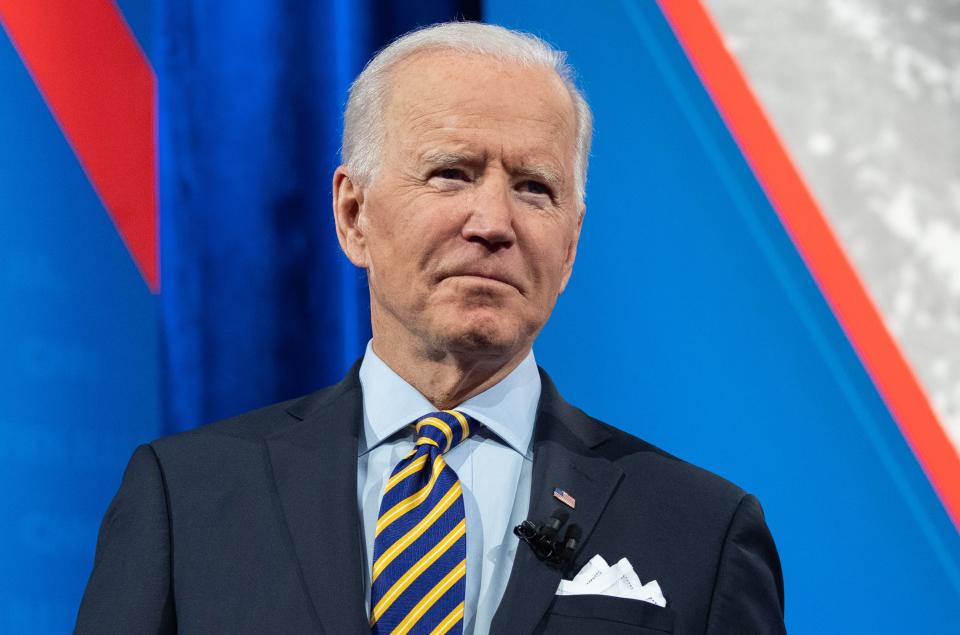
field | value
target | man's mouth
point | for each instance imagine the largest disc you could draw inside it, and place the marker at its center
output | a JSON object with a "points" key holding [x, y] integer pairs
{"points": [[488, 276]]}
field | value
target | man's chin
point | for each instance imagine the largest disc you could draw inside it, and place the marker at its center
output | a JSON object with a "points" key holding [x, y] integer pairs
{"points": [[482, 338]]}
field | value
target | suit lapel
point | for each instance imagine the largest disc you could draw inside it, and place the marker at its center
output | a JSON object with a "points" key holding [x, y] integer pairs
{"points": [[318, 503], [314, 467], [562, 457]]}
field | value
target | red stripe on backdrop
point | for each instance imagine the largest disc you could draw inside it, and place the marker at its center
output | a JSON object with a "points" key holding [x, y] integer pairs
{"points": [[101, 90], [818, 246]]}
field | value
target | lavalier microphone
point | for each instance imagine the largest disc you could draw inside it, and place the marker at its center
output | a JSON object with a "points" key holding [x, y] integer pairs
{"points": [[544, 539]]}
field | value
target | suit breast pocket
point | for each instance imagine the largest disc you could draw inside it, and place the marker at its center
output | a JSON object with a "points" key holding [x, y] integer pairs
{"points": [[595, 614]]}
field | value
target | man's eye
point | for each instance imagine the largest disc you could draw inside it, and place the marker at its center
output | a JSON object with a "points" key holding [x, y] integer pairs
{"points": [[535, 187], [451, 174]]}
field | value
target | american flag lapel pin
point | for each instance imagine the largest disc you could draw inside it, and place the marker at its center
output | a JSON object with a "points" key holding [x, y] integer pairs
{"points": [[565, 498]]}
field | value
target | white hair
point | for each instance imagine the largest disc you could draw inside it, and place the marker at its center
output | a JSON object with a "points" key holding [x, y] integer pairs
{"points": [[363, 119]]}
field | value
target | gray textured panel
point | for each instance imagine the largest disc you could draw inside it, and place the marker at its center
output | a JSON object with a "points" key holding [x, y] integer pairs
{"points": [[866, 95]]}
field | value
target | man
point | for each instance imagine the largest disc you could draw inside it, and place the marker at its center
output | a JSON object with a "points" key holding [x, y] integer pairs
{"points": [[461, 195]]}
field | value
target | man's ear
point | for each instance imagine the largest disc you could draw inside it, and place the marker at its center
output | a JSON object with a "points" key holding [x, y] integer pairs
{"points": [[347, 213], [571, 254]]}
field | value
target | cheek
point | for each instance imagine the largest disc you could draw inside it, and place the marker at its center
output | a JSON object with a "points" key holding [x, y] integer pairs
{"points": [[387, 231], [409, 241], [547, 261]]}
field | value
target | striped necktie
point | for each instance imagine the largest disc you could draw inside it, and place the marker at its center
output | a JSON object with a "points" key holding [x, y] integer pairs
{"points": [[420, 549]]}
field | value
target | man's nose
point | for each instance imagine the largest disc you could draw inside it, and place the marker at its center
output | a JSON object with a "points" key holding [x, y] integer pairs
{"points": [[490, 220]]}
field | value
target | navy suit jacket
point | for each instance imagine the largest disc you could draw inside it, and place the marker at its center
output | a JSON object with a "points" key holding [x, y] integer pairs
{"points": [[251, 525]]}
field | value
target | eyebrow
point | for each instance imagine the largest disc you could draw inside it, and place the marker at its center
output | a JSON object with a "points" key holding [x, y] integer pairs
{"points": [[443, 157], [543, 173]]}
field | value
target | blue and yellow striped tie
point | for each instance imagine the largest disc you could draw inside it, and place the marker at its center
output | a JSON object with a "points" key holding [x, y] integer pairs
{"points": [[420, 549]]}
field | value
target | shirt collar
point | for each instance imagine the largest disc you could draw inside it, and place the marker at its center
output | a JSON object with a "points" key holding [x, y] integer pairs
{"points": [[507, 409]]}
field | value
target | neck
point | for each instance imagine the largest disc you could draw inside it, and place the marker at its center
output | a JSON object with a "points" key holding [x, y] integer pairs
{"points": [[446, 378]]}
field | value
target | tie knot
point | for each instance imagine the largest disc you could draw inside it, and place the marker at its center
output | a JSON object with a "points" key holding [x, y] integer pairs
{"points": [[444, 429]]}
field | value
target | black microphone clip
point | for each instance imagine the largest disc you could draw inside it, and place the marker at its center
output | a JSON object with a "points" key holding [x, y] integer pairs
{"points": [[543, 539]]}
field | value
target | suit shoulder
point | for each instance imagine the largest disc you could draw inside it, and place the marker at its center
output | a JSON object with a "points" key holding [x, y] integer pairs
{"points": [[642, 462], [636, 456], [252, 426]]}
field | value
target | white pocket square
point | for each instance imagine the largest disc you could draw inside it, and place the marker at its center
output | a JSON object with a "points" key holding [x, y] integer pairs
{"points": [[598, 578]]}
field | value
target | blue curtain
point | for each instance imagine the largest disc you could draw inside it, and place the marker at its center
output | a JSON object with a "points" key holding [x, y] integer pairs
{"points": [[258, 304]]}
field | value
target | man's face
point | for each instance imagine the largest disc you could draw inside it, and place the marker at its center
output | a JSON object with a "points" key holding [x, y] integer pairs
{"points": [[469, 230]]}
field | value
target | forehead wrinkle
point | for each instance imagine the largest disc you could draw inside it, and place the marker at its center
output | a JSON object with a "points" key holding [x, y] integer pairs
{"points": [[425, 114], [444, 127]]}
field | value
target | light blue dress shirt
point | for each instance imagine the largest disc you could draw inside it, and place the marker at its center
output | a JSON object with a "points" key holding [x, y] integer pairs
{"points": [[494, 466]]}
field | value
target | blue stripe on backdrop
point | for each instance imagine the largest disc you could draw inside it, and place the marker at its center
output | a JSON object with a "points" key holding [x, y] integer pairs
{"points": [[259, 305], [691, 321], [78, 362]]}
